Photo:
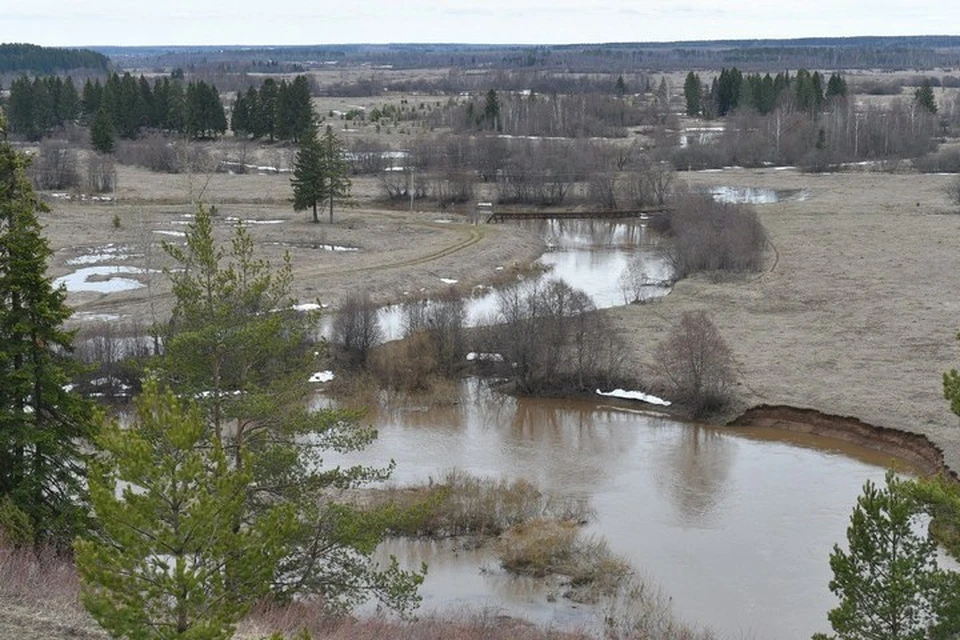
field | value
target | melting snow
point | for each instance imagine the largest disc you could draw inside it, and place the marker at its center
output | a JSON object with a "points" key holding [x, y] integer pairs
{"points": [[322, 376], [487, 357], [106, 279], [634, 395]]}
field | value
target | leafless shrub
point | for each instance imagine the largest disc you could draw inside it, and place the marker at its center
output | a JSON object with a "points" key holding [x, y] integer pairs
{"points": [[944, 161], [695, 365], [636, 282], [154, 152], [367, 157], [539, 172], [650, 183], [433, 349], [443, 322], [952, 191], [550, 339], [56, 166], [697, 157], [879, 87], [407, 365], [397, 184], [642, 610], [602, 190], [713, 237], [454, 187], [356, 329], [296, 616], [101, 173], [114, 355]]}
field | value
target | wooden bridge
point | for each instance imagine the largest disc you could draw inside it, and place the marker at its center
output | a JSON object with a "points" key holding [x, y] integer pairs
{"points": [[602, 214]]}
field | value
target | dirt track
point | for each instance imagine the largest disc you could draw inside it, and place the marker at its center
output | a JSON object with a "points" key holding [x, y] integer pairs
{"points": [[856, 316], [393, 253]]}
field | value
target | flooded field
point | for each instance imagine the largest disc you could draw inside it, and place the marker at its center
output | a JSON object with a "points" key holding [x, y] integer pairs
{"points": [[731, 523]]}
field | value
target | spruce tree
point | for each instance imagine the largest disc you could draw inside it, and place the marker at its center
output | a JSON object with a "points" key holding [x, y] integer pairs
{"points": [[43, 427], [692, 90], [308, 181], [300, 107], [335, 168], [924, 97], [101, 132]]}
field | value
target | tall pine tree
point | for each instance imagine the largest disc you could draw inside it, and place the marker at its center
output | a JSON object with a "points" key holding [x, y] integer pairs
{"points": [[43, 427]]}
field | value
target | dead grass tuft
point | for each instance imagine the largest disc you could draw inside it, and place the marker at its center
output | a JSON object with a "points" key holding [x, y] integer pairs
{"points": [[297, 618], [545, 547], [460, 504], [43, 585]]}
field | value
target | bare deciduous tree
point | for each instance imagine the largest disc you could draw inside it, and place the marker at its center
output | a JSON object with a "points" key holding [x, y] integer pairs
{"points": [[56, 168], [356, 329], [551, 340], [101, 173], [695, 365]]}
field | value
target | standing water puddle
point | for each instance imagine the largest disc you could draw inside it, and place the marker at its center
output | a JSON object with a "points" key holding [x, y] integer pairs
{"points": [[102, 279], [735, 525], [588, 255], [756, 195]]}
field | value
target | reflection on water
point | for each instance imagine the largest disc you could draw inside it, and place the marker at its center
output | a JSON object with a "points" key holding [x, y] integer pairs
{"points": [[588, 254], [756, 195], [732, 526], [694, 473]]}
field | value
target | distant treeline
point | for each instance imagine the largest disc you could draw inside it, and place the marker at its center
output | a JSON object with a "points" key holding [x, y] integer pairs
{"points": [[33, 59], [130, 105], [732, 89], [758, 55]]}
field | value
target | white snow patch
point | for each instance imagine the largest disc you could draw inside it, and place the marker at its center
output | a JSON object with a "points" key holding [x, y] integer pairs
{"points": [[484, 357], [449, 280], [322, 376], [307, 306], [103, 253], [107, 279], [175, 234], [86, 316], [634, 395], [252, 220]]}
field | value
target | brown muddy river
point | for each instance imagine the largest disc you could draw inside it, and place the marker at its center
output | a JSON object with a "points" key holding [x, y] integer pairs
{"points": [[735, 525]]}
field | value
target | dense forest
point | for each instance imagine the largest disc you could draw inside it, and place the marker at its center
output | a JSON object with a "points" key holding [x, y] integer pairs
{"points": [[30, 58], [750, 55]]}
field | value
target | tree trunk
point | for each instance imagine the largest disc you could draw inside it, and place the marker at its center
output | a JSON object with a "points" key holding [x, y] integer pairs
{"points": [[315, 218]]}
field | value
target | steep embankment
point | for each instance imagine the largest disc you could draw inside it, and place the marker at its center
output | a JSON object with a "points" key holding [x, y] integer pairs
{"points": [[857, 317]]}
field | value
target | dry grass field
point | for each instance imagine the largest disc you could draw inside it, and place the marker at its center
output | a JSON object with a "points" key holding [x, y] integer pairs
{"points": [[858, 312], [855, 316], [392, 254]]}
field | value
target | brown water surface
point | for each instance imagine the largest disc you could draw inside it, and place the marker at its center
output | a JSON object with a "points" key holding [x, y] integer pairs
{"points": [[736, 525]]}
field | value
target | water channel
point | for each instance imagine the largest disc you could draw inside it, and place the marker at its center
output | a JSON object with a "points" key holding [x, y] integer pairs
{"points": [[735, 525]]}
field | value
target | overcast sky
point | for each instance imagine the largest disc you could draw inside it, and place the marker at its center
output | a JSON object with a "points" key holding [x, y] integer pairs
{"points": [[186, 22]]}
